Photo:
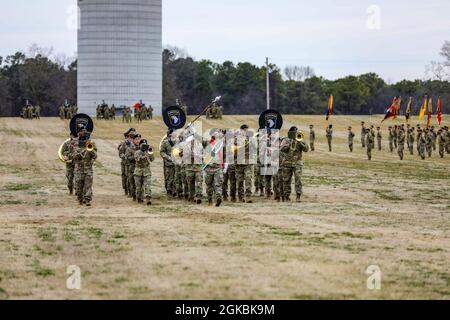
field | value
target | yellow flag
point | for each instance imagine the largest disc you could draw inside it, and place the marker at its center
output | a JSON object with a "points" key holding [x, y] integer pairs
{"points": [[423, 110]]}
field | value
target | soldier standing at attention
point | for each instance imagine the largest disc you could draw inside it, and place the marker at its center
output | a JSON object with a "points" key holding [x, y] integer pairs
{"points": [[441, 142], [330, 137], [379, 138], [214, 170], [429, 142], [351, 138], [363, 134], [292, 164], [401, 142], [391, 139], [421, 143], [113, 112], [84, 172], [312, 138], [23, 114], [30, 112], [169, 165], [67, 149], [37, 112], [143, 172], [194, 175], [244, 167], [395, 132], [447, 142], [131, 164], [370, 143], [433, 137], [150, 112], [411, 139]]}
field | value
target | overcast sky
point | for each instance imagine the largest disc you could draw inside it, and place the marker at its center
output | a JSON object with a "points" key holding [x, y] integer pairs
{"points": [[335, 37]]}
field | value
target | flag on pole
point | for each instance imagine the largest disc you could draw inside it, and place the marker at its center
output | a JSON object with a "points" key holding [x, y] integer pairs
{"points": [[408, 110], [330, 107], [398, 107], [430, 112], [423, 110], [439, 111], [392, 111]]}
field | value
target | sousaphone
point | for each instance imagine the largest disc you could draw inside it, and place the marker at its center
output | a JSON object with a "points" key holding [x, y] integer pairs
{"points": [[78, 122]]}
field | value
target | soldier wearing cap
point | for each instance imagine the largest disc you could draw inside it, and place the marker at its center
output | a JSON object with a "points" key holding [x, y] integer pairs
{"points": [[143, 173], [169, 166], [351, 138], [370, 143], [363, 134], [391, 139], [441, 142], [329, 135], [123, 163], [379, 138], [214, 168], [292, 164], [244, 166], [429, 142], [312, 138], [401, 142], [131, 164], [421, 143]]}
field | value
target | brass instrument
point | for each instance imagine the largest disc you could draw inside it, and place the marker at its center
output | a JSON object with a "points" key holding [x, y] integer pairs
{"points": [[300, 136], [60, 153], [90, 146]]}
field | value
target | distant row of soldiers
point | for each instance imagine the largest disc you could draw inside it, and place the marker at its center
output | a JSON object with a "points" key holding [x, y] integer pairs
{"points": [[31, 112], [67, 111], [105, 112], [215, 112], [400, 136]]}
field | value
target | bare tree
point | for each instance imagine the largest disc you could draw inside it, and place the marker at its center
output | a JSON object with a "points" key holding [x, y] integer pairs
{"points": [[445, 52], [34, 50], [440, 70], [298, 73], [178, 53]]}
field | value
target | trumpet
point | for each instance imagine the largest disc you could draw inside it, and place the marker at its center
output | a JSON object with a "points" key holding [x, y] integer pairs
{"points": [[90, 146], [300, 136]]}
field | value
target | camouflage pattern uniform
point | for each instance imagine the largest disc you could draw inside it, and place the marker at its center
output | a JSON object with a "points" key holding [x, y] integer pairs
{"points": [[312, 139], [113, 112], [143, 175], [292, 165], [330, 138], [410, 139], [379, 139], [67, 151], [429, 142], [370, 143], [150, 112], [131, 165], [169, 166], [351, 138], [421, 144], [214, 176], [434, 138], [123, 163], [37, 112], [30, 114], [441, 143], [244, 176], [447, 143], [181, 186], [391, 139], [84, 173], [395, 134], [229, 180], [363, 135], [401, 143]]}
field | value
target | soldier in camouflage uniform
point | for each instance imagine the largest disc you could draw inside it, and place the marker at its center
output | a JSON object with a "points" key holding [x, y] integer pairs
{"points": [[181, 186], [214, 170], [131, 164], [441, 142], [244, 171], [363, 134], [169, 165], [351, 138], [411, 140], [370, 143], [395, 133], [292, 164], [122, 150], [30, 114], [67, 150], [330, 137], [259, 178], [312, 138], [143, 172], [391, 139], [421, 143], [401, 142], [194, 176], [433, 137], [379, 138], [429, 142], [84, 173], [112, 112], [37, 112], [447, 143]]}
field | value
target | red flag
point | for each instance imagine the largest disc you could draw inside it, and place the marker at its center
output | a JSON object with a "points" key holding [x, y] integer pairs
{"points": [[439, 111], [392, 111], [137, 105]]}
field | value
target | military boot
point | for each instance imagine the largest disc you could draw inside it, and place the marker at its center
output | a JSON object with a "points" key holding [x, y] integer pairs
{"points": [[210, 202], [71, 191], [199, 201], [218, 202], [149, 201], [299, 199]]}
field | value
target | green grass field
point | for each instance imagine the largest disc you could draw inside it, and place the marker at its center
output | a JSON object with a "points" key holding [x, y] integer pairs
{"points": [[389, 213]]}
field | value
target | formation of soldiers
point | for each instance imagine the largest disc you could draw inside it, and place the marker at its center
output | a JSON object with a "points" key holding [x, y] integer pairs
{"points": [[105, 112], [30, 112], [215, 112], [67, 111], [80, 153], [400, 137]]}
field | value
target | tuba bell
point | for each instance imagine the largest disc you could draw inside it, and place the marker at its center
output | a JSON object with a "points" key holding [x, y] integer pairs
{"points": [[60, 153]]}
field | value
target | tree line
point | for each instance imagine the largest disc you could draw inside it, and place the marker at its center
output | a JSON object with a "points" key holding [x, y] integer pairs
{"points": [[48, 80]]}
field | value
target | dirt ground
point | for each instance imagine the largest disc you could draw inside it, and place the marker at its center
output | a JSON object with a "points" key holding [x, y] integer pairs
{"points": [[389, 213]]}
